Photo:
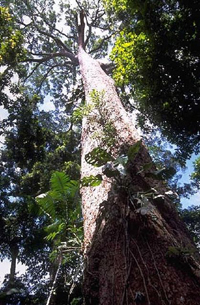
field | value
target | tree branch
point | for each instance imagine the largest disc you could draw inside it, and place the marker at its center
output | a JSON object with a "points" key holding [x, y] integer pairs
{"points": [[107, 67], [46, 75], [101, 44], [45, 33], [81, 29], [52, 67], [89, 31], [47, 57], [56, 39], [50, 25]]}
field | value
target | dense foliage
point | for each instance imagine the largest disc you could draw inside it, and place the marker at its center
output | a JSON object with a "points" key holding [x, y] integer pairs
{"points": [[35, 145], [157, 56], [11, 39]]}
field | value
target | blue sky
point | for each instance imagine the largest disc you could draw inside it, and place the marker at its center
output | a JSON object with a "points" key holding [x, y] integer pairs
{"points": [[195, 199], [5, 269]]}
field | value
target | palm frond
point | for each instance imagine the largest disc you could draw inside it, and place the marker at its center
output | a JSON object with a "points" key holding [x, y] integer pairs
{"points": [[47, 205], [59, 182]]}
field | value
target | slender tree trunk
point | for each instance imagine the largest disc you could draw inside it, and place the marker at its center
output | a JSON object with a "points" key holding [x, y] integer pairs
{"points": [[14, 254], [136, 252]]}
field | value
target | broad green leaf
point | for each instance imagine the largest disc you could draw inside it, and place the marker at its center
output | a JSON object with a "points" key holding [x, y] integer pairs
{"points": [[59, 182], [110, 172], [47, 205], [163, 173], [98, 157], [133, 150], [92, 180], [147, 166]]}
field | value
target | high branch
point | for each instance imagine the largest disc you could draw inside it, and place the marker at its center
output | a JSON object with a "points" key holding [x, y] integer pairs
{"points": [[64, 45]]}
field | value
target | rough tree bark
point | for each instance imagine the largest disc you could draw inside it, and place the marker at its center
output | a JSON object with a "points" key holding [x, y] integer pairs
{"points": [[133, 254]]}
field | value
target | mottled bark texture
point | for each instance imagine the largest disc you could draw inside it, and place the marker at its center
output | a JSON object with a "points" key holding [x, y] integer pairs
{"points": [[133, 254]]}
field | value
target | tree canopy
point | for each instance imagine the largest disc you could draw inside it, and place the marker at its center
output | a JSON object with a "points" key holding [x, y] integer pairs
{"points": [[11, 50], [157, 55], [35, 145]]}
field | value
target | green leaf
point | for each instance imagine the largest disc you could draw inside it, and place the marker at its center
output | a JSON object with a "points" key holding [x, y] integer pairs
{"points": [[47, 205], [173, 251], [133, 150], [163, 173], [59, 182], [155, 175], [147, 166], [98, 157], [92, 180], [76, 301], [110, 172], [121, 160]]}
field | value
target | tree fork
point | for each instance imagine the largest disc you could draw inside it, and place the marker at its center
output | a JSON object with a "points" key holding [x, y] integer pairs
{"points": [[127, 250]]}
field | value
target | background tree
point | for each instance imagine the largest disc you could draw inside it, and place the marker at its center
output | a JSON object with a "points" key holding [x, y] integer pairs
{"points": [[34, 147], [36, 144], [156, 55], [192, 220]]}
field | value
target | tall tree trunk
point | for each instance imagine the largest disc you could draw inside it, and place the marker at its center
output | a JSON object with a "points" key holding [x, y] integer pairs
{"points": [[14, 253], [137, 250]]}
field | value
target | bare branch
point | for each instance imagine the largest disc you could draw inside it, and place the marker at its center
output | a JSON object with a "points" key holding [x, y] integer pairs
{"points": [[67, 64], [50, 25], [47, 57], [79, 5], [104, 28], [56, 39], [24, 24], [101, 44], [46, 75], [98, 14]]}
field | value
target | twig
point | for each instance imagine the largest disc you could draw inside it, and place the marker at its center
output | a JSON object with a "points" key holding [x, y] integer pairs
{"points": [[55, 280], [101, 44], [73, 284]]}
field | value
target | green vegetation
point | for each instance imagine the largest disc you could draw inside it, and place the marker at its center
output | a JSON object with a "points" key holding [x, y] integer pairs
{"points": [[156, 56]]}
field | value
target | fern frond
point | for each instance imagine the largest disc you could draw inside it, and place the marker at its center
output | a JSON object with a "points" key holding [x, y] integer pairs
{"points": [[59, 182], [47, 206]]}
